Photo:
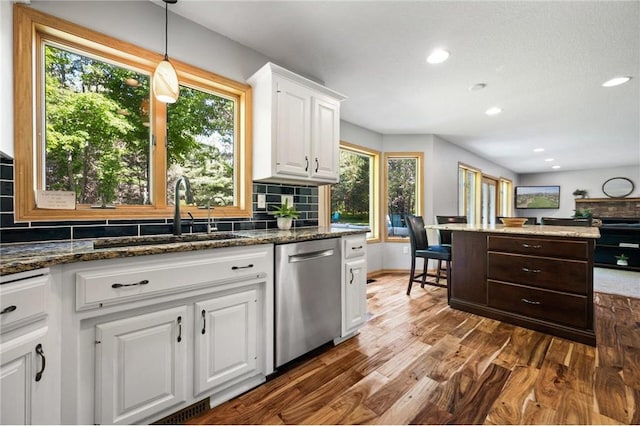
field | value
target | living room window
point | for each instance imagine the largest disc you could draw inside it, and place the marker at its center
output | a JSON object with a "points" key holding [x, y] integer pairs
{"points": [[469, 196], [403, 176], [505, 196], [355, 201], [90, 125]]}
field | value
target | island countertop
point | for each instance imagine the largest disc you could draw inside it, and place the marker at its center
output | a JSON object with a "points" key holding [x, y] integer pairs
{"points": [[534, 230], [21, 257]]}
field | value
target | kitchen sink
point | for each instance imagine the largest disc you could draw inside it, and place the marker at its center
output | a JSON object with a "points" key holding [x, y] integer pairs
{"points": [[162, 239]]}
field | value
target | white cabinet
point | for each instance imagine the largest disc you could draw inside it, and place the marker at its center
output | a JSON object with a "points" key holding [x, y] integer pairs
{"points": [[141, 365], [147, 336], [296, 128], [354, 283], [29, 355], [226, 343]]}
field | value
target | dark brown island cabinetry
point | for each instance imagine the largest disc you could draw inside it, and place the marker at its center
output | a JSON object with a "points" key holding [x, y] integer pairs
{"points": [[540, 282]]}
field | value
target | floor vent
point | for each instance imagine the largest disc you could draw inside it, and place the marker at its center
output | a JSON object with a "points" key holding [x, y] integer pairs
{"points": [[371, 280], [181, 417]]}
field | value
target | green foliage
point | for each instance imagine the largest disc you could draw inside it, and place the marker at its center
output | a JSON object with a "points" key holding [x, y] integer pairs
{"points": [[98, 140], [285, 210], [585, 213], [622, 257], [350, 197], [401, 184], [580, 192]]}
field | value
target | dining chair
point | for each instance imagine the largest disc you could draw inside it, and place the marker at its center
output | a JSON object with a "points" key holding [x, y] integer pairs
{"points": [[420, 248], [566, 221]]}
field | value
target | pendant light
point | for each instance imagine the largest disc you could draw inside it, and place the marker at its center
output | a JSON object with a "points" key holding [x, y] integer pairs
{"points": [[165, 79]]}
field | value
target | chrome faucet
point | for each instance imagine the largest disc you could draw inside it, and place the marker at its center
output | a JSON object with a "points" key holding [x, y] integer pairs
{"points": [[211, 228], [177, 225]]}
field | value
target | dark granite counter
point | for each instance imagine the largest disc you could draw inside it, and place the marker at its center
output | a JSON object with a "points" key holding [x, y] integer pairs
{"points": [[29, 256]]}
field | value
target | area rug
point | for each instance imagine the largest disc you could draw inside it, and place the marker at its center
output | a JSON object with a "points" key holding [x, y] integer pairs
{"points": [[616, 281]]}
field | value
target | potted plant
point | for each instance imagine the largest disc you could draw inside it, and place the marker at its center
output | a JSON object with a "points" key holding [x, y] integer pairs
{"points": [[582, 193], [285, 215], [582, 214], [622, 260]]}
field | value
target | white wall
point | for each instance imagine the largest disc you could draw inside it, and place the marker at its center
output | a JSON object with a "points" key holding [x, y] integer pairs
{"points": [[6, 78], [569, 181]]}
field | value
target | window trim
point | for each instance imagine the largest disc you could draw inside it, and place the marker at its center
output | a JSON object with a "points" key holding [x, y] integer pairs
{"points": [[477, 176], [419, 156], [508, 194], [324, 192], [29, 23]]}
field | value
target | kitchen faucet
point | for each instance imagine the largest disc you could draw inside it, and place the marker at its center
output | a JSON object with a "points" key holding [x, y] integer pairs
{"points": [[177, 225], [209, 207]]}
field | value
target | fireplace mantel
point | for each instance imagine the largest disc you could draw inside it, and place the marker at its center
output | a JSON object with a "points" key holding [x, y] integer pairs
{"points": [[610, 207]]}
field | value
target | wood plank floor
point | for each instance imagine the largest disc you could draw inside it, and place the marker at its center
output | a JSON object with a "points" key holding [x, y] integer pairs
{"points": [[417, 361]]}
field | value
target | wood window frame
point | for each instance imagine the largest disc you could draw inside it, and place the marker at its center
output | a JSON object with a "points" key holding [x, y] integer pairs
{"points": [[419, 156], [505, 196], [477, 207], [324, 193], [29, 26]]}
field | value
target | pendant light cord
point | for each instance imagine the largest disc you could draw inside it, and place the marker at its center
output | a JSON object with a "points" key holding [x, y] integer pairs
{"points": [[166, 30]]}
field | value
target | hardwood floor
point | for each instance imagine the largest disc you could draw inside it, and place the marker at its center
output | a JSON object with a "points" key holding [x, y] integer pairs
{"points": [[419, 361]]}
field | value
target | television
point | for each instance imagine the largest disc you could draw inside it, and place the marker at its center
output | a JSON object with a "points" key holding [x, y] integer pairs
{"points": [[537, 197]]}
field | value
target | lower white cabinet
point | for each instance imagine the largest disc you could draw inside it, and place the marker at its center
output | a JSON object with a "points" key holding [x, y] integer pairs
{"points": [[141, 345], [141, 365], [24, 379], [226, 341], [354, 283]]}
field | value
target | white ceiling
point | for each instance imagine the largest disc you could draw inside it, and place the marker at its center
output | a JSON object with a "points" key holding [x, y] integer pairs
{"points": [[543, 63]]}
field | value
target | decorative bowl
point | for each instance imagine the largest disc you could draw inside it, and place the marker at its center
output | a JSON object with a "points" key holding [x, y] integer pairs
{"points": [[513, 222]]}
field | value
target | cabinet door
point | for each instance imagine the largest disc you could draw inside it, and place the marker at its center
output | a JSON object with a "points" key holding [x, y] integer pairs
{"points": [[293, 129], [140, 365], [23, 380], [325, 139], [226, 339], [355, 294]]}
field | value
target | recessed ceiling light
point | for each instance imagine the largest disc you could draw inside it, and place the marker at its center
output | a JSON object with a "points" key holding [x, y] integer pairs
{"points": [[493, 111], [555, 167], [438, 56], [548, 159], [538, 150], [616, 81], [477, 86]]}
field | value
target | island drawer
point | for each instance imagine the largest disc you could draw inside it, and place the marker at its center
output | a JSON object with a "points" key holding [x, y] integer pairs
{"points": [[546, 305], [544, 272], [540, 247], [125, 280], [354, 246]]}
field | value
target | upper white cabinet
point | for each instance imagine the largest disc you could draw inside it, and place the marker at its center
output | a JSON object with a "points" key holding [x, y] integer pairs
{"points": [[296, 128]]}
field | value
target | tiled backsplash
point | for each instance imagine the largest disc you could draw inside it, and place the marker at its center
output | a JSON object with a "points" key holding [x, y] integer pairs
{"points": [[305, 199]]}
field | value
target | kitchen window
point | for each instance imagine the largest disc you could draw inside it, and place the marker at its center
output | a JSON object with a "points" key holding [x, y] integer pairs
{"points": [[355, 201], [90, 125], [403, 191]]}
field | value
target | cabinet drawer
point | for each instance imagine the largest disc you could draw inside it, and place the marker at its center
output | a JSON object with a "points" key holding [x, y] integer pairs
{"points": [[546, 305], [121, 281], [540, 247], [355, 246], [23, 301], [555, 274]]}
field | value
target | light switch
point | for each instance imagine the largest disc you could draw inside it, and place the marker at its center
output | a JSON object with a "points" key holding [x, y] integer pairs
{"points": [[262, 201]]}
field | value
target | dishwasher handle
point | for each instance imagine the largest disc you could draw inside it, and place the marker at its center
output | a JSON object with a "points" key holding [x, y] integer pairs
{"points": [[293, 258]]}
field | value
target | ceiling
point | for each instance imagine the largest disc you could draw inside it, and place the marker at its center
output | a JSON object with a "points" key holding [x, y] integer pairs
{"points": [[543, 63]]}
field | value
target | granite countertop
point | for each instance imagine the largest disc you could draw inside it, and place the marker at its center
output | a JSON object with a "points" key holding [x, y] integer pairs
{"points": [[22, 257], [533, 230]]}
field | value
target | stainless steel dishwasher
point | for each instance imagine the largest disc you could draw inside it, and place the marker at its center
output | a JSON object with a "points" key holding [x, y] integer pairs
{"points": [[307, 297]]}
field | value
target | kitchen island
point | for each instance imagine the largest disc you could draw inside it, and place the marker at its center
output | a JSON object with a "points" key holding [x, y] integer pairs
{"points": [[535, 276]]}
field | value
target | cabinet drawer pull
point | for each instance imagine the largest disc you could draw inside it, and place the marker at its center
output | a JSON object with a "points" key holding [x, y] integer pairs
{"points": [[535, 246], [234, 268], [40, 352], [317, 164], [306, 160], [179, 329], [531, 302], [533, 271], [351, 281], [204, 322], [8, 309], [118, 285], [356, 248]]}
